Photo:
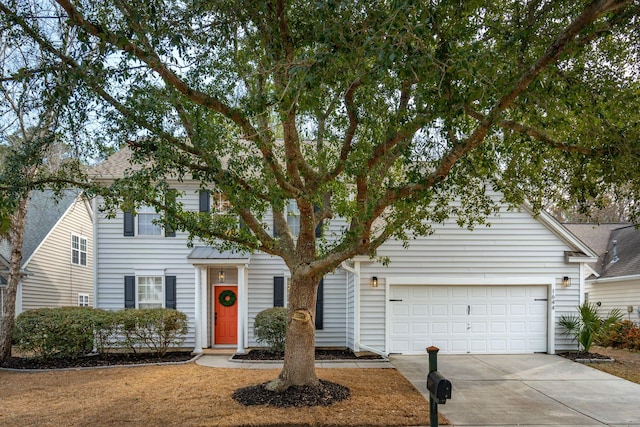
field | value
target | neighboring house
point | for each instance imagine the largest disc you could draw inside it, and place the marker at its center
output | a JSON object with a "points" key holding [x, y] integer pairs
{"points": [[496, 289], [57, 253], [614, 279]]}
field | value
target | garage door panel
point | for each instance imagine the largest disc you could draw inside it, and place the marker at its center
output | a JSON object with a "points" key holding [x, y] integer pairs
{"points": [[468, 319], [479, 292], [419, 310], [459, 309], [400, 310], [517, 310], [439, 310], [498, 309], [439, 328]]}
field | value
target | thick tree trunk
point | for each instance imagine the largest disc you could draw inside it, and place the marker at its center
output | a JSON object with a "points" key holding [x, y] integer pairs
{"points": [[8, 318], [299, 354]]}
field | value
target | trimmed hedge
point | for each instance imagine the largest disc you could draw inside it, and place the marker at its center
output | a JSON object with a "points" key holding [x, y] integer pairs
{"points": [[270, 327], [154, 329], [65, 332], [71, 332]]}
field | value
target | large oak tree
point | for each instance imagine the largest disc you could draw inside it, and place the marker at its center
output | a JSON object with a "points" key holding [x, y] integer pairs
{"points": [[378, 112]]}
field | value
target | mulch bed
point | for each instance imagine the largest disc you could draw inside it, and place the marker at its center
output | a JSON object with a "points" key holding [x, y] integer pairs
{"points": [[295, 396], [321, 354], [92, 361], [579, 356]]}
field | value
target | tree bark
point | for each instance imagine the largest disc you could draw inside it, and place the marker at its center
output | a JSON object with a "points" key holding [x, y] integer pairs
{"points": [[8, 318], [299, 354]]}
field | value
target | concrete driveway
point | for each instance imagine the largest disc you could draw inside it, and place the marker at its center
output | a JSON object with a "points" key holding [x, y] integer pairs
{"points": [[527, 390]]}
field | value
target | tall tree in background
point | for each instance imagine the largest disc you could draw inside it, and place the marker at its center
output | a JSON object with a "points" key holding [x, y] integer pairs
{"points": [[380, 113], [33, 94]]}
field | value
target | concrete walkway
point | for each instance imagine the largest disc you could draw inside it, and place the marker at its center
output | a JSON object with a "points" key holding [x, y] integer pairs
{"points": [[527, 390], [223, 361]]}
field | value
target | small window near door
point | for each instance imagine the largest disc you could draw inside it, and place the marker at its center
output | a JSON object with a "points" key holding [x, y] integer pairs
{"points": [[83, 300]]}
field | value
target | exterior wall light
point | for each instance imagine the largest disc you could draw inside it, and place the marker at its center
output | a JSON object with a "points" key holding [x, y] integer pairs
{"points": [[221, 276], [566, 281], [374, 282]]}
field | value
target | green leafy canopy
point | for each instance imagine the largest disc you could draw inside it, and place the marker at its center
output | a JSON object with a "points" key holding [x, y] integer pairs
{"points": [[379, 113]]}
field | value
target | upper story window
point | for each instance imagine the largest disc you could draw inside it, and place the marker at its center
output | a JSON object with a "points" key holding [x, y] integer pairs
{"points": [[293, 217], [213, 201], [148, 222], [78, 250]]}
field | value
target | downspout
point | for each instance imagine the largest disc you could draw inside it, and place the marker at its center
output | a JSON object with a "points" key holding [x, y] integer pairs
{"points": [[94, 221]]}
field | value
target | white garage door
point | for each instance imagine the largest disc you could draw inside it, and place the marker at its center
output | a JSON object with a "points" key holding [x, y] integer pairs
{"points": [[468, 319]]}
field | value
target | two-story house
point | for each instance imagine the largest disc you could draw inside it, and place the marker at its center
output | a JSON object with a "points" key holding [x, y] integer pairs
{"points": [[496, 289]]}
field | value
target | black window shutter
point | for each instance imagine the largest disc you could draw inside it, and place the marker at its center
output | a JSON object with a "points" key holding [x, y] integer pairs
{"points": [[205, 201], [320, 306], [169, 229], [129, 224], [319, 227], [243, 225], [278, 291], [275, 230], [170, 292], [129, 291]]}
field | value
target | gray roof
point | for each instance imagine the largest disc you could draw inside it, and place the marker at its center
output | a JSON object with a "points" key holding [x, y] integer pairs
{"points": [[617, 246], [207, 252], [115, 165], [44, 211]]}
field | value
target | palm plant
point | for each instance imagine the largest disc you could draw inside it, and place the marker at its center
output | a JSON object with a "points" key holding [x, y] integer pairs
{"points": [[587, 325]]}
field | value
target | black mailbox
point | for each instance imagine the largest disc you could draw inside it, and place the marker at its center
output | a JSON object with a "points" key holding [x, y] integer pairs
{"points": [[439, 387]]}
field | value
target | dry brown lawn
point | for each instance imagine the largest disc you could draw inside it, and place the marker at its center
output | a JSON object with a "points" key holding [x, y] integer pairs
{"points": [[626, 365], [190, 394]]}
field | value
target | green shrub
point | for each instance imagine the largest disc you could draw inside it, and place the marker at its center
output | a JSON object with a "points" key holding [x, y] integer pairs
{"points": [[70, 332], [588, 325], [154, 329], [270, 328], [105, 330], [65, 332]]}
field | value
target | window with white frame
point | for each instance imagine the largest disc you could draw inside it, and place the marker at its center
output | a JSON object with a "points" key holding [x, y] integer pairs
{"points": [[293, 217], [220, 203], [2, 301], [150, 291], [83, 300], [148, 224], [78, 250]]}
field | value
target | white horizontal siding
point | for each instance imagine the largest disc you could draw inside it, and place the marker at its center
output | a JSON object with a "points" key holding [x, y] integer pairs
{"points": [[53, 281], [515, 245], [120, 256], [616, 294]]}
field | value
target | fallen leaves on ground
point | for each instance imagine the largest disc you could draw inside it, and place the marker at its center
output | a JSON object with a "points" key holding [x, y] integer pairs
{"points": [[190, 394], [626, 364]]}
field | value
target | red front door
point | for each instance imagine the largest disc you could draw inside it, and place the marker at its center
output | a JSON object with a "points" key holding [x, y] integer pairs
{"points": [[225, 323]]}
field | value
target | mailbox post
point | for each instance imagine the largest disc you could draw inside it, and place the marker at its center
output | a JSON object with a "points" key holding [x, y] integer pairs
{"points": [[439, 387]]}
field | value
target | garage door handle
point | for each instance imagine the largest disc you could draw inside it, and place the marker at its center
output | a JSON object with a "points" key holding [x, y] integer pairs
{"points": [[395, 300], [541, 299]]}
